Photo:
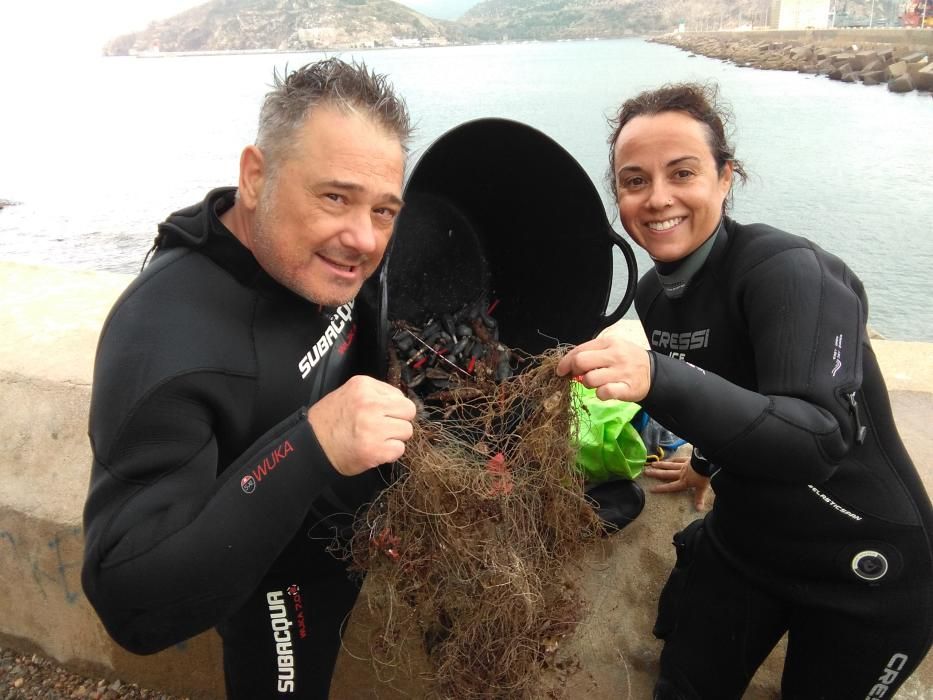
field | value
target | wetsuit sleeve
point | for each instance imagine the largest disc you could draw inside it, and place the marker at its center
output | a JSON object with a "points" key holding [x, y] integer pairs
{"points": [[177, 534], [806, 320]]}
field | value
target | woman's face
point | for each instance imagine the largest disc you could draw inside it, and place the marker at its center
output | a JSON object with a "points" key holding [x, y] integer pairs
{"points": [[669, 192]]}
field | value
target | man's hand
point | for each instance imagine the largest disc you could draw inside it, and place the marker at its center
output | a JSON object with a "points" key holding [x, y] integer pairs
{"points": [[362, 424], [615, 367], [679, 476]]}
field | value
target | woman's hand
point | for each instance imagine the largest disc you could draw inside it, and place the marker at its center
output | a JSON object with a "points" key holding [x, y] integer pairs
{"points": [[615, 367], [679, 476]]}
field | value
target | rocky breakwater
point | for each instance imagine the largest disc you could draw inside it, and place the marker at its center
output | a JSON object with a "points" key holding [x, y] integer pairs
{"points": [[901, 68]]}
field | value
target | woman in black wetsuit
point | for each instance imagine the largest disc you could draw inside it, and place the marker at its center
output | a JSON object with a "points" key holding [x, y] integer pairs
{"points": [[759, 356]]}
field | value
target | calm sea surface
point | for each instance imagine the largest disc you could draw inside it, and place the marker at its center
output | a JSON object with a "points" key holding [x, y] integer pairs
{"points": [[99, 152]]}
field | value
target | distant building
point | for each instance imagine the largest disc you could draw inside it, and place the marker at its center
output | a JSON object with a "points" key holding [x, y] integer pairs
{"points": [[774, 14], [804, 14], [405, 43]]}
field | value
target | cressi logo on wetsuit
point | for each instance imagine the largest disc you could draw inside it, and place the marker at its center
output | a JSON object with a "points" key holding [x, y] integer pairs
{"points": [[670, 342], [891, 671]]}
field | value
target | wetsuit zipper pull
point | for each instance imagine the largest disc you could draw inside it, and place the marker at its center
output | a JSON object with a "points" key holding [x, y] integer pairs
{"points": [[860, 430]]}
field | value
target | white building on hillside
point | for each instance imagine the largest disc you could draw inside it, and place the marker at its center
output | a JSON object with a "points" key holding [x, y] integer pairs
{"points": [[804, 14]]}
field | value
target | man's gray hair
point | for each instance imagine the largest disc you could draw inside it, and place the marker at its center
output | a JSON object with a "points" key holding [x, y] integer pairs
{"points": [[350, 87]]}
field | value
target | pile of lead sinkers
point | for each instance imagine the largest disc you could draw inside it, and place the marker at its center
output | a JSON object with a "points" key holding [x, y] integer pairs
{"points": [[450, 354]]}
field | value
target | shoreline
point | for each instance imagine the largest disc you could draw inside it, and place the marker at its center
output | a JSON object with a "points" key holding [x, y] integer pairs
{"points": [[898, 59], [337, 49]]}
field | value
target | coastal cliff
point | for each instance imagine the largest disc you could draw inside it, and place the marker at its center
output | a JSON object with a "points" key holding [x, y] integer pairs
{"points": [[287, 25], [297, 25]]}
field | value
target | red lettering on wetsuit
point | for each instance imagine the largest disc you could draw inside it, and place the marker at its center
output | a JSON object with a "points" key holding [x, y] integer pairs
{"points": [[272, 460]]}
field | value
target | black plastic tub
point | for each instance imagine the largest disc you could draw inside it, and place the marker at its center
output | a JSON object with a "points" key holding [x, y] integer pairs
{"points": [[498, 211]]}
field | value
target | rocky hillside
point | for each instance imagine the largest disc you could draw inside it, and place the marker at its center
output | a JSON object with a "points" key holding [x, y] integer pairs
{"points": [[308, 24], [222, 25], [579, 19]]}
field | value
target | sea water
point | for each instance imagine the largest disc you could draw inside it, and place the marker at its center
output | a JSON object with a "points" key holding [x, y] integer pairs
{"points": [[100, 151]]}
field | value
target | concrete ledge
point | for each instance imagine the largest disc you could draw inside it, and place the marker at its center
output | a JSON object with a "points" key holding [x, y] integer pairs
{"points": [[51, 319]]}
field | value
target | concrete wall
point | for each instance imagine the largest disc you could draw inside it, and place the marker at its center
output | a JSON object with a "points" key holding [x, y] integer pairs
{"points": [[50, 320]]}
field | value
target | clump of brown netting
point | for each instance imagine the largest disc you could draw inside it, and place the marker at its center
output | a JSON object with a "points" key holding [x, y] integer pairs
{"points": [[469, 551]]}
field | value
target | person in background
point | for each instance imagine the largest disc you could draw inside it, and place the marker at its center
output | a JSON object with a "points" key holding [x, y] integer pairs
{"points": [[234, 417], [759, 357]]}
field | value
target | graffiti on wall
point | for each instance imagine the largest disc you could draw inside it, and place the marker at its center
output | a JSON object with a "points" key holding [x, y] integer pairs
{"points": [[55, 567]]}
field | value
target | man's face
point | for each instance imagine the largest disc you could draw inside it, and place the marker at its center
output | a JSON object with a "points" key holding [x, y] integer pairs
{"points": [[324, 219], [669, 191]]}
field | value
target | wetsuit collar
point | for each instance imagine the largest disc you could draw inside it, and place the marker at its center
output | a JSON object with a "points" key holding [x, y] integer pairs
{"points": [[226, 249], [199, 227], [676, 276]]}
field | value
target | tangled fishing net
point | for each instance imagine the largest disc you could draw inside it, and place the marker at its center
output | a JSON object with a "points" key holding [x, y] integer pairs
{"points": [[468, 551]]}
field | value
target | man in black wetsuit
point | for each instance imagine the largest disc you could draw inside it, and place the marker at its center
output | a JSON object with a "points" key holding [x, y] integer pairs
{"points": [[759, 356], [233, 421]]}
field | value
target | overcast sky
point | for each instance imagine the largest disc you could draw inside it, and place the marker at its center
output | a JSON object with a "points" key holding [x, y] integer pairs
{"points": [[84, 27]]}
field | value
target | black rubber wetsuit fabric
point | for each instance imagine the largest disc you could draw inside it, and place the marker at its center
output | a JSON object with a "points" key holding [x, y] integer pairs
{"points": [[211, 501], [821, 525]]}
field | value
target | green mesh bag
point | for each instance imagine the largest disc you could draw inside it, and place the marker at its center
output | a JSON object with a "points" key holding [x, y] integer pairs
{"points": [[609, 445]]}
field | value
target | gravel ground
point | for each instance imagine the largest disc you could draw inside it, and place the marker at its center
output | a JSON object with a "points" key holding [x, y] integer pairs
{"points": [[32, 677]]}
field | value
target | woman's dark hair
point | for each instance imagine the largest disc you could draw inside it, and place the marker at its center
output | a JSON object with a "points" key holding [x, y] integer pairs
{"points": [[696, 100]]}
